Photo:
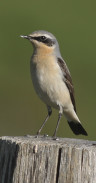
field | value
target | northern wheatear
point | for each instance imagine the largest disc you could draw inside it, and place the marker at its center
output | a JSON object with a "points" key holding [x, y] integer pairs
{"points": [[52, 80]]}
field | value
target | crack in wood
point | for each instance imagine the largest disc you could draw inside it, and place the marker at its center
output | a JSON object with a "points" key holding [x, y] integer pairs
{"points": [[58, 164]]}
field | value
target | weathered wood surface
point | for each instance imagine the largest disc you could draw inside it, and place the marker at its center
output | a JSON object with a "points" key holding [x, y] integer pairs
{"points": [[43, 160]]}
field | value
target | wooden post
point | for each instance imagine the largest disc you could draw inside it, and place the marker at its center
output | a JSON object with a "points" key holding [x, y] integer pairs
{"points": [[43, 160]]}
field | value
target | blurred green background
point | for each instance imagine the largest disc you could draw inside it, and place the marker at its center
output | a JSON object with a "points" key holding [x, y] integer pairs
{"points": [[74, 25]]}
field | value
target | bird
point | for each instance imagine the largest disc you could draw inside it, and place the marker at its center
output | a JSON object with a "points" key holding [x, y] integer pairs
{"points": [[52, 80]]}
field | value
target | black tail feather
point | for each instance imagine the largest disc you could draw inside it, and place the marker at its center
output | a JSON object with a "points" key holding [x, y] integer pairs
{"points": [[77, 128]]}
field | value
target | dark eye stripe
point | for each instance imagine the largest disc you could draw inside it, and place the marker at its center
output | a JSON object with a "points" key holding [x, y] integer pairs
{"points": [[37, 38], [47, 41]]}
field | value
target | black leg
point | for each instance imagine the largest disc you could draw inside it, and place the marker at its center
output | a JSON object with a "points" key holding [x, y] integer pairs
{"points": [[49, 114], [59, 118]]}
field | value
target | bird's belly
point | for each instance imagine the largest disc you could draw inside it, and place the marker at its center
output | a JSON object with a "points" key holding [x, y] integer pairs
{"points": [[44, 91], [51, 88]]}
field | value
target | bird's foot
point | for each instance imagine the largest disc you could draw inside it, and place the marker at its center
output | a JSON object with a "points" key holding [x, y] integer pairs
{"points": [[55, 138], [45, 135]]}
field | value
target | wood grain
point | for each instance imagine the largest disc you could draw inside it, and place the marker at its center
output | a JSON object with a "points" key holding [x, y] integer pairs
{"points": [[44, 160]]}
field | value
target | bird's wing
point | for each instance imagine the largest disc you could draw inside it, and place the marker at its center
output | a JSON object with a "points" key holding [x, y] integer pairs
{"points": [[67, 80]]}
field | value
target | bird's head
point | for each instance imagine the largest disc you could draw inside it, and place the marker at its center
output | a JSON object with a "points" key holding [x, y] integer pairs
{"points": [[43, 40]]}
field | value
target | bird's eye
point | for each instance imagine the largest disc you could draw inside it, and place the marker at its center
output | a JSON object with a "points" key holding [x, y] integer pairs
{"points": [[43, 38]]}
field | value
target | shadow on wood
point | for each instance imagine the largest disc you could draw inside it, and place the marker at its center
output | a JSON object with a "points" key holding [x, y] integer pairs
{"points": [[8, 157], [43, 160]]}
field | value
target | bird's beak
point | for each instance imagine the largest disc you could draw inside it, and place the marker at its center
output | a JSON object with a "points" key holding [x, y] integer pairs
{"points": [[26, 37]]}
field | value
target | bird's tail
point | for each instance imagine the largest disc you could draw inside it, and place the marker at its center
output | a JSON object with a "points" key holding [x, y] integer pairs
{"points": [[77, 128]]}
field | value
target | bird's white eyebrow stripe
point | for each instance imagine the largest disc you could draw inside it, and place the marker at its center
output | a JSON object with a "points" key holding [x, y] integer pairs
{"points": [[38, 35], [46, 35]]}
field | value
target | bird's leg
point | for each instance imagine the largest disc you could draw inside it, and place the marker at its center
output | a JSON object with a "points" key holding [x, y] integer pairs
{"points": [[59, 118], [49, 114]]}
